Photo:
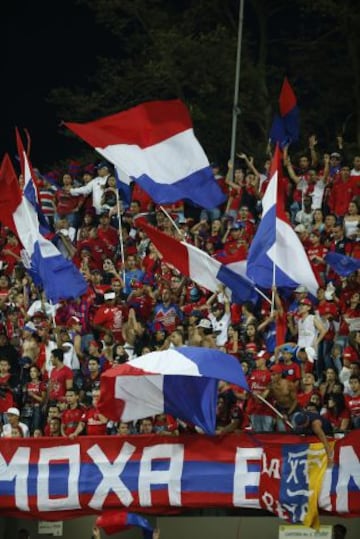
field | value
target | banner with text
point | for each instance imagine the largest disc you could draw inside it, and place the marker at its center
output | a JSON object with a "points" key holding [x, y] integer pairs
{"points": [[56, 479]]}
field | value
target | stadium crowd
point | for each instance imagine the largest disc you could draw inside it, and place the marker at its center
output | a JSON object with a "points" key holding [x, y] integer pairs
{"points": [[52, 356]]}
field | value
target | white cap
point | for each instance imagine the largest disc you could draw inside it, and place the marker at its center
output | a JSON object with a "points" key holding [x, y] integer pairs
{"points": [[301, 289], [300, 228], [13, 411], [204, 323], [109, 295]]}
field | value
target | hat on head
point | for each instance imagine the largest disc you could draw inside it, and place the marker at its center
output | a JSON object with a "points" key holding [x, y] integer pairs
{"points": [[287, 348], [306, 301], [110, 294], [96, 344], [236, 226], [102, 164], [262, 354], [204, 323], [217, 305], [335, 154], [196, 313], [14, 411], [73, 320], [311, 354], [194, 294], [300, 419], [301, 289], [276, 368], [300, 228], [39, 314], [350, 354], [29, 327]]}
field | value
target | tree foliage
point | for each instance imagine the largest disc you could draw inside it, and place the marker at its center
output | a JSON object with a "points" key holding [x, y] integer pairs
{"points": [[164, 49]]}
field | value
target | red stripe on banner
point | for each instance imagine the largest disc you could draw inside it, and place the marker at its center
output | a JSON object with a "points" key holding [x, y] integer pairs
{"points": [[144, 125]]}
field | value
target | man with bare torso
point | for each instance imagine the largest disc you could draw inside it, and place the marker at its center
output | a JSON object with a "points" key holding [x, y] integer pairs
{"points": [[283, 394]]}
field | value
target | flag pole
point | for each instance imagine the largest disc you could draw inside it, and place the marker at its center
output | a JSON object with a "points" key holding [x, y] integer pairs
{"points": [[121, 240], [236, 109], [172, 221]]}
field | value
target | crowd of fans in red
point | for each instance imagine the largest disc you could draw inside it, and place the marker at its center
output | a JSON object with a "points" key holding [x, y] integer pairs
{"points": [[52, 356]]}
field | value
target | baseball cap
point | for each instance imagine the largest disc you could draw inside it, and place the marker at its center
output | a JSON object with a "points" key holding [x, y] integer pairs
{"points": [[14, 411], [73, 320], [300, 228], [350, 354], [276, 368], [288, 348], [102, 164], [335, 154], [306, 301], [300, 419], [301, 289], [109, 295], [204, 323]]}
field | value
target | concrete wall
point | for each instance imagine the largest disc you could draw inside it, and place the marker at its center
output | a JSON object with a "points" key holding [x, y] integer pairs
{"points": [[180, 528]]}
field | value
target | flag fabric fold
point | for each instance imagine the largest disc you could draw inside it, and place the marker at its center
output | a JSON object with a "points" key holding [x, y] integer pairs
{"points": [[285, 127], [30, 186], [117, 521], [342, 265], [59, 277], [276, 254], [199, 266], [181, 382], [155, 145]]}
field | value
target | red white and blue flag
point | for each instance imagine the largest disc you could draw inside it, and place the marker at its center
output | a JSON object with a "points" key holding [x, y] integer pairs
{"points": [[200, 267], [181, 382], [276, 254], [59, 277], [155, 145]]}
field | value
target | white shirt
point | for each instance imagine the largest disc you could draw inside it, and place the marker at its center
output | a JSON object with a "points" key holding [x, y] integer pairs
{"points": [[222, 326], [95, 187], [6, 431]]}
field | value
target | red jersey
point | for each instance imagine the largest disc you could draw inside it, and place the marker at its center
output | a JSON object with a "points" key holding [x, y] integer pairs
{"points": [[112, 317], [353, 405], [336, 420], [6, 396], [291, 371], [259, 381], [57, 382], [70, 419]]}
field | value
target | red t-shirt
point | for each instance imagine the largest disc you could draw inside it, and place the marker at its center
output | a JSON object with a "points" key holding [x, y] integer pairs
{"points": [[70, 419], [57, 382], [94, 426]]}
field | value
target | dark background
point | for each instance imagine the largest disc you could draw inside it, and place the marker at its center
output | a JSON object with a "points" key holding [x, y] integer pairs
{"points": [[46, 44]]}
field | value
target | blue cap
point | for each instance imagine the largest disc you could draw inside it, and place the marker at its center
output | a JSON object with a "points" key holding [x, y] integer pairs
{"points": [[300, 419], [102, 164], [288, 348]]}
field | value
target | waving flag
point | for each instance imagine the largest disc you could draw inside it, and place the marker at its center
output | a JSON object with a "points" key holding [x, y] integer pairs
{"points": [[118, 521], [285, 128], [59, 277], [276, 245], [181, 382], [123, 184], [155, 145], [30, 186], [343, 265], [199, 266]]}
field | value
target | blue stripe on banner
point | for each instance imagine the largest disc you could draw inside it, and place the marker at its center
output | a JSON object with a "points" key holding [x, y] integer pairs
{"points": [[196, 477], [200, 188]]}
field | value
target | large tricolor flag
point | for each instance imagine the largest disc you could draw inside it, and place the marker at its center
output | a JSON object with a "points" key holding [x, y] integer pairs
{"points": [[155, 145], [285, 128], [199, 266], [59, 277], [30, 186], [276, 255], [181, 382]]}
